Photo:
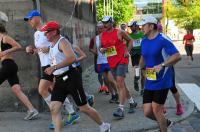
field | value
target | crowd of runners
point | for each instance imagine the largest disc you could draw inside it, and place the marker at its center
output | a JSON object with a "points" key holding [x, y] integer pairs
{"points": [[152, 55]]}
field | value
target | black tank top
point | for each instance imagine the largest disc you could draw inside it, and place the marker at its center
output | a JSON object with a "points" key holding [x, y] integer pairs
{"points": [[4, 46]]}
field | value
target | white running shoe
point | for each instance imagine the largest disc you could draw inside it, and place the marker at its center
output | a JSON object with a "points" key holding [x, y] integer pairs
{"points": [[105, 128], [31, 115]]}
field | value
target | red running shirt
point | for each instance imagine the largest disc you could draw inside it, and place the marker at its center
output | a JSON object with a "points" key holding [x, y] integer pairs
{"points": [[188, 38], [110, 39]]}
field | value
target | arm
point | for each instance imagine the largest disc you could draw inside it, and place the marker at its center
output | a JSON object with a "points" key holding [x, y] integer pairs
{"points": [[129, 41], [91, 46], [81, 53], [141, 63], [15, 46]]}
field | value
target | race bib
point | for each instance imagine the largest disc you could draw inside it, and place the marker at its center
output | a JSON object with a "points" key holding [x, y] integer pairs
{"points": [[111, 51], [137, 43], [150, 74]]}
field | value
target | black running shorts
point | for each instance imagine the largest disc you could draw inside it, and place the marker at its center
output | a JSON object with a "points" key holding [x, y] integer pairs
{"points": [[157, 96], [71, 86]]}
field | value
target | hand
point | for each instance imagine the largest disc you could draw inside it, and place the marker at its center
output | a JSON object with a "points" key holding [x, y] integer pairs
{"points": [[44, 49], [126, 54], [29, 49], [49, 70], [157, 68], [103, 50], [2, 54]]}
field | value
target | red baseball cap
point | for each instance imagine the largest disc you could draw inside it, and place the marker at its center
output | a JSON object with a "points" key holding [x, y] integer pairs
{"points": [[53, 25]]}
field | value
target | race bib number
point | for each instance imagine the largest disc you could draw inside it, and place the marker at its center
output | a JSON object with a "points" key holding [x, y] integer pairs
{"points": [[150, 74], [137, 43], [111, 51]]}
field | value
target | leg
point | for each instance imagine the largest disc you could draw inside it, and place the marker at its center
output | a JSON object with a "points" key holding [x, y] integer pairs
{"points": [[148, 111], [92, 113], [158, 113], [43, 88], [55, 107], [22, 97]]}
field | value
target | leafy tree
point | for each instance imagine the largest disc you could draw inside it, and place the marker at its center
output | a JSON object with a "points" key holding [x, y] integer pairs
{"points": [[123, 10], [185, 13]]}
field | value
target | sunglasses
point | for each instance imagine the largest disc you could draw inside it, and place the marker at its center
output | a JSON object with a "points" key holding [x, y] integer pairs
{"points": [[106, 22], [48, 31]]}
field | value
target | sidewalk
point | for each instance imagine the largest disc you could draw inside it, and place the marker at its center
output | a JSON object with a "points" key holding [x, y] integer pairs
{"points": [[136, 122]]}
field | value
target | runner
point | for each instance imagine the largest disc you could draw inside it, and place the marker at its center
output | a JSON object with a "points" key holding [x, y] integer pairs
{"points": [[103, 66], [68, 79], [42, 48], [9, 69], [80, 55], [103, 87], [188, 40], [158, 55], [135, 52], [117, 55], [174, 90]]}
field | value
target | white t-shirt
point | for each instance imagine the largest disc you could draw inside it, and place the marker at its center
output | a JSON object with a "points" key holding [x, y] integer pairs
{"points": [[41, 42]]}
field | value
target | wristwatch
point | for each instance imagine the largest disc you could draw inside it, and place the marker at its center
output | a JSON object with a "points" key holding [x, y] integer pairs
{"points": [[54, 67], [163, 64]]}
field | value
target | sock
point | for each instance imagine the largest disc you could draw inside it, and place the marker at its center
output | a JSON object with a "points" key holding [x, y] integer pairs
{"points": [[121, 106], [102, 125], [68, 106], [131, 100], [48, 99], [137, 71]]}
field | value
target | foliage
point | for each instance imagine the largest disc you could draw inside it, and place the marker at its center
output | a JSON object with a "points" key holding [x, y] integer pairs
{"points": [[185, 13], [122, 10]]}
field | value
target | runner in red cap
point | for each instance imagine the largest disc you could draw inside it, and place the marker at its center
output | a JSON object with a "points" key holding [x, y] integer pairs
{"points": [[68, 80]]}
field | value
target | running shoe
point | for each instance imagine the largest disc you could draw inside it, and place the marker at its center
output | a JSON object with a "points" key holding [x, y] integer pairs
{"points": [[179, 109], [72, 118], [90, 100], [169, 123], [119, 113], [105, 88], [51, 126], [101, 89], [132, 107], [105, 128], [31, 115]]}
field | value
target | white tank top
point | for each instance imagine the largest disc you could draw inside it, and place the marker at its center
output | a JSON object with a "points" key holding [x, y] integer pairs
{"points": [[40, 42], [57, 57], [101, 58]]}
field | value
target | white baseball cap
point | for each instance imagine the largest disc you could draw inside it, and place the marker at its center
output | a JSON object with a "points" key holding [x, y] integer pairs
{"points": [[107, 18], [3, 17], [148, 19]]}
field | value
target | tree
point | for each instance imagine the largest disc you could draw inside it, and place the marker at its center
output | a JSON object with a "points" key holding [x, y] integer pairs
{"points": [[123, 10], [185, 13]]}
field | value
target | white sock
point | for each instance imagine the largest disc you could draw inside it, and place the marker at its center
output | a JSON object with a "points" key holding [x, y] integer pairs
{"points": [[137, 71], [131, 100], [68, 106], [121, 106], [48, 99], [102, 125]]}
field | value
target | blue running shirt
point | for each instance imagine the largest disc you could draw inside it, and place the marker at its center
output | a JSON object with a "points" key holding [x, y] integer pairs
{"points": [[155, 52]]}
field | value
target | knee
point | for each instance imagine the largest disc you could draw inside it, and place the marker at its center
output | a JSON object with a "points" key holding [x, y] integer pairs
{"points": [[120, 82], [54, 108], [157, 109], [85, 109], [148, 112]]}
